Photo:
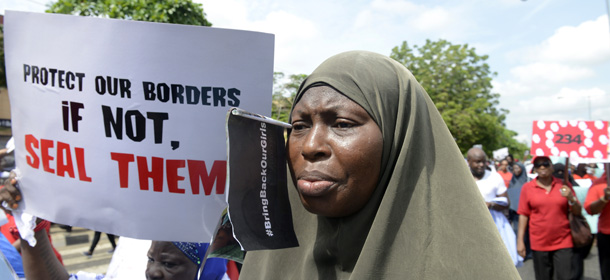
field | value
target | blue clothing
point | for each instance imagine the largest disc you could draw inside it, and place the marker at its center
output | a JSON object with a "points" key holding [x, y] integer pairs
{"points": [[514, 188], [11, 254], [214, 268]]}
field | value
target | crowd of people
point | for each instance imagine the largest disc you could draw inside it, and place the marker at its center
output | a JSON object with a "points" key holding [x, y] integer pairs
{"points": [[537, 206], [380, 190]]}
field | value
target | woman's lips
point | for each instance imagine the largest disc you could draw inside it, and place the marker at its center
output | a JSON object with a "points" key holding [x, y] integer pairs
{"points": [[314, 187]]}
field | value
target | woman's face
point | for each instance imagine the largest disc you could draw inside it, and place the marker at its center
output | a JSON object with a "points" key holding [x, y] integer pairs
{"points": [[517, 170], [503, 165], [334, 152], [166, 261], [544, 168]]}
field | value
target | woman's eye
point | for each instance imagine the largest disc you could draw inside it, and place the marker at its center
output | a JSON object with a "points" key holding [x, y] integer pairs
{"points": [[298, 126], [150, 260], [169, 264], [344, 124]]}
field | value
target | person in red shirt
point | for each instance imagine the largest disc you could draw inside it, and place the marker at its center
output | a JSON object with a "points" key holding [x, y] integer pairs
{"points": [[543, 206], [597, 203], [505, 172], [581, 173]]}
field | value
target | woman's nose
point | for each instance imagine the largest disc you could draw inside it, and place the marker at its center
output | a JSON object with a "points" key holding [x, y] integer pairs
{"points": [[153, 272], [315, 144]]}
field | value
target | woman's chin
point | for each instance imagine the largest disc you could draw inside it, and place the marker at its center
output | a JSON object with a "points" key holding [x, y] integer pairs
{"points": [[317, 206], [313, 205]]}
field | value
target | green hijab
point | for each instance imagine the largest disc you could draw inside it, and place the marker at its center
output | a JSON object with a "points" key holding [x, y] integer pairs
{"points": [[425, 220]]}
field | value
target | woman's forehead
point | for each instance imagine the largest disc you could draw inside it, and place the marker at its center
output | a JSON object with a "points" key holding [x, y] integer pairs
{"points": [[165, 248], [323, 90], [323, 98]]}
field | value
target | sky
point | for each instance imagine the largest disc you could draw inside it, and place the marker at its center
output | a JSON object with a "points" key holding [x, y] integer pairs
{"points": [[551, 57]]}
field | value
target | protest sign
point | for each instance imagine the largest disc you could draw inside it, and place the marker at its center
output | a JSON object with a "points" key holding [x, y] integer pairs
{"points": [[119, 125], [500, 154], [259, 209], [574, 139]]}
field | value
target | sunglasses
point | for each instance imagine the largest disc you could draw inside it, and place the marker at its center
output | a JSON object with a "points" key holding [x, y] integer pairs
{"points": [[544, 163]]}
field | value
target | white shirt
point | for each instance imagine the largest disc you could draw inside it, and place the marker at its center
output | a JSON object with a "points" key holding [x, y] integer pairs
{"points": [[491, 185]]}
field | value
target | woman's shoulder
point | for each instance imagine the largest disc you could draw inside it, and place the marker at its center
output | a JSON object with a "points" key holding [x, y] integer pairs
{"points": [[598, 187]]}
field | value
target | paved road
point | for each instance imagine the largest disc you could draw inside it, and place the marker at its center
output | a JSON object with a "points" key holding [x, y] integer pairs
{"points": [[591, 267], [72, 245]]}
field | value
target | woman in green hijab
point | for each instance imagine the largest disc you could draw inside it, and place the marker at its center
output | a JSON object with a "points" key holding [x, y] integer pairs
{"points": [[381, 189]]}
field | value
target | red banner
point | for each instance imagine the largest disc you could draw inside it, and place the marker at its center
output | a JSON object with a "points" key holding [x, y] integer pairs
{"points": [[576, 139]]}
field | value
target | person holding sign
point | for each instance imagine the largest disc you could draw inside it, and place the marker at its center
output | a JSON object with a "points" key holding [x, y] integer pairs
{"points": [[380, 189], [597, 203], [166, 260], [543, 206]]}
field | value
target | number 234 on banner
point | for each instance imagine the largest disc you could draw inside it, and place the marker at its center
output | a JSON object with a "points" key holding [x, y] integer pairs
{"points": [[576, 139]]}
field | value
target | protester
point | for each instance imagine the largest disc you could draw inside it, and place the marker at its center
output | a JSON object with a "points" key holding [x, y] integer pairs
{"points": [[558, 171], [511, 162], [594, 170], [572, 168], [581, 253], [504, 171], [166, 260], [11, 233], [543, 205], [96, 239], [492, 188], [380, 189], [514, 191], [597, 203], [582, 172], [12, 256]]}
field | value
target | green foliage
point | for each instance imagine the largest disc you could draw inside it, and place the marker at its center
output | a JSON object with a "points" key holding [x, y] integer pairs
{"points": [[284, 93], [167, 11], [458, 80]]}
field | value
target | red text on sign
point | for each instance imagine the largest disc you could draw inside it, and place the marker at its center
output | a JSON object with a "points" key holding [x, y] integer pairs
{"points": [[41, 151], [157, 168]]}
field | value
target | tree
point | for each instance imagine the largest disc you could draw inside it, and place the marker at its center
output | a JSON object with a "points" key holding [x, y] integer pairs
{"points": [[168, 11], [284, 93], [458, 80]]}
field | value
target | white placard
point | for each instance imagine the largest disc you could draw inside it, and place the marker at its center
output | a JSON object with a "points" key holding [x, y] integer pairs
{"points": [[119, 125], [500, 154]]}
